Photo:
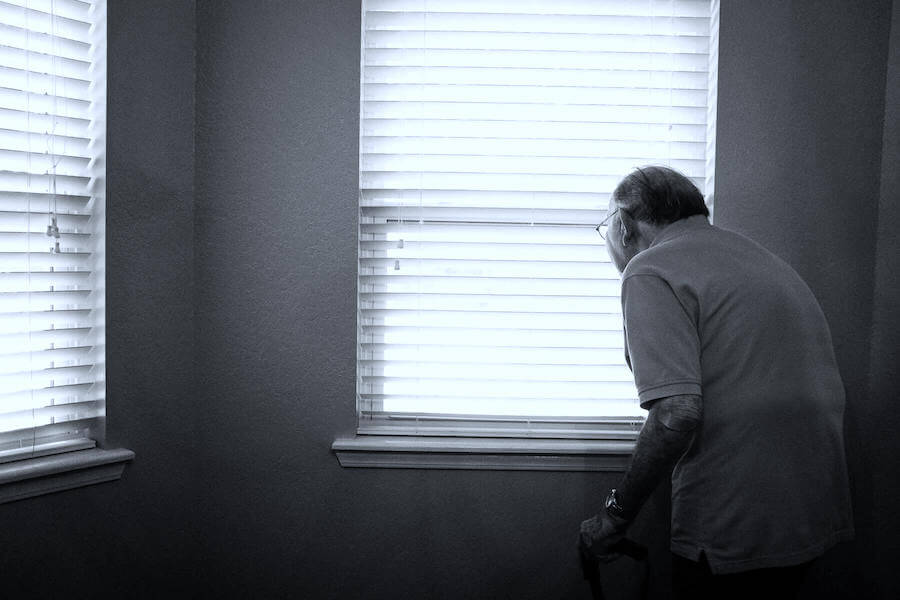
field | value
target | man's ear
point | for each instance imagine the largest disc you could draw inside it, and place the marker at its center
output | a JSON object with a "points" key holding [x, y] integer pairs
{"points": [[629, 230]]}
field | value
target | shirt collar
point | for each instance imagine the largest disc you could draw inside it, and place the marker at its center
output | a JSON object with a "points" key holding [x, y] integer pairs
{"points": [[681, 227]]}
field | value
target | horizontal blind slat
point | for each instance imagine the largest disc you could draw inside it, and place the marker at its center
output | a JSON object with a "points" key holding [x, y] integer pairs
{"points": [[41, 341], [413, 127], [70, 9], [25, 222], [496, 111], [434, 164], [490, 303], [56, 281], [523, 182], [556, 286], [448, 250], [44, 164], [57, 300], [454, 336], [47, 359], [555, 406], [42, 114], [559, 321], [39, 242], [41, 83], [529, 148], [41, 321], [594, 97], [411, 373], [602, 78], [373, 355], [684, 8], [42, 63], [69, 24], [476, 214], [37, 203], [549, 392], [534, 59], [477, 370], [489, 268], [557, 41], [21, 38], [38, 261], [68, 147], [30, 420], [13, 181], [535, 23]]}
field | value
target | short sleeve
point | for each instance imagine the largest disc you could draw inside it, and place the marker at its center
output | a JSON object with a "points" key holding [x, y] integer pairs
{"points": [[661, 341]]}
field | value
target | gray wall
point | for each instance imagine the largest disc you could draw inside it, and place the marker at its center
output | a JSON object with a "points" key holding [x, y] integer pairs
{"points": [[800, 127], [884, 419], [252, 283]]}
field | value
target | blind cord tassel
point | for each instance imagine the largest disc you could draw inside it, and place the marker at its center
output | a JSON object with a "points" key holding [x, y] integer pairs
{"points": [[53, 231]]}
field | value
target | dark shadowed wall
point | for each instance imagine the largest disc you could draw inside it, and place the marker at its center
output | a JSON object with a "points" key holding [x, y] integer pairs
{"points": [[799, 165], [232, 282], [884, 367], [133, 538]]}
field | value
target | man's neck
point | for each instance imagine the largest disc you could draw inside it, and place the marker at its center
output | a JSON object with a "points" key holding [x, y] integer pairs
{"points": [[647, 232]]}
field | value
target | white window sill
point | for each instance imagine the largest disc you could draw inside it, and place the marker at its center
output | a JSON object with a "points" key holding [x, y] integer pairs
{"points": [[47, 474], [515, 454]]}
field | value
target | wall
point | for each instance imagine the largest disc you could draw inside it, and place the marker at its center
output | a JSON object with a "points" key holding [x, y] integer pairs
{"points": [[133, 538], [801, 107], [884, 377]]}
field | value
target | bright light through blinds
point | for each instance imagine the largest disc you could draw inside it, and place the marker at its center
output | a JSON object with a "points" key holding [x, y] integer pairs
{"points": [[52, 197], [492, 133]]}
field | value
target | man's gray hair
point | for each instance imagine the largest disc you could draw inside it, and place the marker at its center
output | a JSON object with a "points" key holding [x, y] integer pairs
{"points": [[659, 195]]}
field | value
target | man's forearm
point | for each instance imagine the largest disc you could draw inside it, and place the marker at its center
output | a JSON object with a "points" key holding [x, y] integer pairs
{"points": [[666, 435]]}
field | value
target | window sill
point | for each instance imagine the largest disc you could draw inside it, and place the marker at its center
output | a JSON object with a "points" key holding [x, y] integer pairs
{"points": [[47, 474], [503, 454]]}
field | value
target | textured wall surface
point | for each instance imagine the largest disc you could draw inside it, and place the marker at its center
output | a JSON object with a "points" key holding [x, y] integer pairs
{"points": [[798, 165], [885, 357], [133, 538]]}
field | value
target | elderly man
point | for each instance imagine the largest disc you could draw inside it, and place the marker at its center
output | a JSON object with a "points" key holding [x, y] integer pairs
{"points": [[733, 358]]}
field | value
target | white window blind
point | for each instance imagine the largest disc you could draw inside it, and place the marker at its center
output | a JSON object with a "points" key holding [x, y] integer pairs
{"points": [[492, 134], [52, 198]]}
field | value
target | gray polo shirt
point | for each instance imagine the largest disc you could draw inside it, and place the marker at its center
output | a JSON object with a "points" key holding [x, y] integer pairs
{"points": [[764, 483]]}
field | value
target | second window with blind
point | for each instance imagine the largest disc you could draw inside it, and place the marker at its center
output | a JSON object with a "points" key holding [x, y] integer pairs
{"points": [[492, 134]]}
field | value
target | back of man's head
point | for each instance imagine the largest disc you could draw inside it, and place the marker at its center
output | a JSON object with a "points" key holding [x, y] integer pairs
{"points": [[659, 196]]}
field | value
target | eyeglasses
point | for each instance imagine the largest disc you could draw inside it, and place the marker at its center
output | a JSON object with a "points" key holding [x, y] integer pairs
{"points": [[602, 227]]}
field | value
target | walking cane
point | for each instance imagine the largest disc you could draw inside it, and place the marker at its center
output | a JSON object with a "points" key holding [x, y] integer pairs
{"points": [[590, 565]]}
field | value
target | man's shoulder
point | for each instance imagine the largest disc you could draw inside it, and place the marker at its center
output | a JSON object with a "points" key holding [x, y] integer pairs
{"points": [[685, 253], [660, 260]]}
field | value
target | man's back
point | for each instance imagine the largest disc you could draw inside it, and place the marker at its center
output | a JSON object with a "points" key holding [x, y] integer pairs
{"points": [[764, 483]]}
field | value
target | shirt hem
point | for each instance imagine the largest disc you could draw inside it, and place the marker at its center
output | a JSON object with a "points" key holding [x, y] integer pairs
{"points": [[720, 567], [672, 388]]}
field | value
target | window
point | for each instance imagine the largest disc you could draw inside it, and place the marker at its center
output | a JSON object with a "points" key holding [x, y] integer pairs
{"points": [[492, 134], [52, 198]]}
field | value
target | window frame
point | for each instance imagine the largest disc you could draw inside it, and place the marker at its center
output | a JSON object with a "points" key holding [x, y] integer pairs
{"points": [[448, 442]]}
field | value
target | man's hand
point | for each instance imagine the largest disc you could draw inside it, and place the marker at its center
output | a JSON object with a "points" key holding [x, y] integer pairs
{"points": [[599, 534]]}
